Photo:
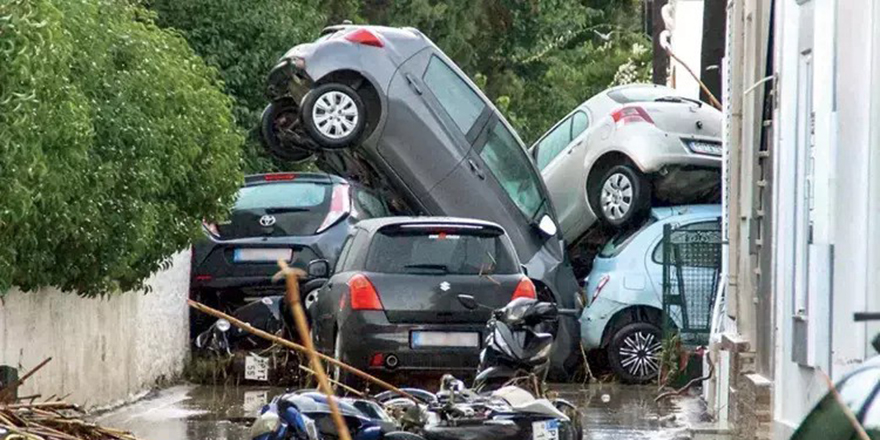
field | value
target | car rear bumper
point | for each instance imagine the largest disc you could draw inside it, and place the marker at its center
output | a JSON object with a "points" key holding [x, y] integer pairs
{"points": [[365, 334], [594, 321]]}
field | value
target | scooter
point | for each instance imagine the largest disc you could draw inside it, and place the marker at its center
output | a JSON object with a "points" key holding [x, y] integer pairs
{"points": [[305, 415], [518, 345]]}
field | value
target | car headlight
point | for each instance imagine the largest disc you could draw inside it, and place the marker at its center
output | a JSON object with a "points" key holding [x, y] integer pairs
{"points": [[707, 148], [267, 423]]}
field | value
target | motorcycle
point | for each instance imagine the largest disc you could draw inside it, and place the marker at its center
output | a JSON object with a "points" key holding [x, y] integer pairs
{"points": [[305, 415], [517, 352], [221, 338]]}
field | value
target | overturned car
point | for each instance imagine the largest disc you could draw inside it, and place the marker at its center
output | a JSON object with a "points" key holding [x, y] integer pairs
{"points": [[387, 108]]}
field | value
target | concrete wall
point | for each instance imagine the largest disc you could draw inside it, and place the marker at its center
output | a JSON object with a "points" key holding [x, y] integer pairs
{"points": [[105, 351]]}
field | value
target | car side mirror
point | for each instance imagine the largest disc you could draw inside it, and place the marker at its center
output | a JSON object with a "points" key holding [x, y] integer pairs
{"points": [[319, 268], [468, 302], [547, 226]]}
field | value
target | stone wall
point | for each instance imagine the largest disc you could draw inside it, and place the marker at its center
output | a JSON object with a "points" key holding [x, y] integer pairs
{"points": [[104, 351]]}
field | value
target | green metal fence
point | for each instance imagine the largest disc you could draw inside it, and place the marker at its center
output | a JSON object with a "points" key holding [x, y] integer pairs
{"points": [[691, 266]]}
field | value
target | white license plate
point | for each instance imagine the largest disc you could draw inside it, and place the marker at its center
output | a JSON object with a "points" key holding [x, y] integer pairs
{"points": [[546, 430], [256, 368], [262, 254], [445, 339]]}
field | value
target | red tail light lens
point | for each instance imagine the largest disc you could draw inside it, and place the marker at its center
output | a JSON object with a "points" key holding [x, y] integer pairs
{"points": [[630, 115], [340, 206], [525, 289], [377, 360], [364, 36], [363, 294], [602, 282]]}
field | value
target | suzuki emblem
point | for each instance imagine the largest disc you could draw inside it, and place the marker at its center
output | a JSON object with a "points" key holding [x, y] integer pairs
{"points": [[267, 220], [445, 286]]}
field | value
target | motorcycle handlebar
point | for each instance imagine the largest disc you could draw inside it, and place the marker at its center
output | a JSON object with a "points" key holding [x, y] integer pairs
{"points": [[569, 312], [867, 316]]}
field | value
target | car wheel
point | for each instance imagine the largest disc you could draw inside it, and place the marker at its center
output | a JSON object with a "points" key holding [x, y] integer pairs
{"points": [[278, 128], [337, 373], [624, 196], [334, 115], [634, 352]]}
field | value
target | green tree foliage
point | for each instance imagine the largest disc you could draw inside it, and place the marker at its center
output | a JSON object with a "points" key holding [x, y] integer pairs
{"points": [[115, 140], [243, 39]]}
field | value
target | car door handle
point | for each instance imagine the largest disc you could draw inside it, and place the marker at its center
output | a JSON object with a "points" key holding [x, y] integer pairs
{"points": [[412, 83], [476, 169]]}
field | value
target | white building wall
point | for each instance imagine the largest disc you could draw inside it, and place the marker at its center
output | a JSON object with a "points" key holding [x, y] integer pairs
{"points": [[842, 93], [105, 351], [687, 42]]}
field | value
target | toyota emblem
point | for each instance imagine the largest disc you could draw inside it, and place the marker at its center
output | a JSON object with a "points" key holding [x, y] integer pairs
{"points": [[267, 220]]}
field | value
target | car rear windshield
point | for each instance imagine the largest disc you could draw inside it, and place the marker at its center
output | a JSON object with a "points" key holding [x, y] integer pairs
{"points": [[295, 208], [628, 95], [619, 242], [440, 251]]}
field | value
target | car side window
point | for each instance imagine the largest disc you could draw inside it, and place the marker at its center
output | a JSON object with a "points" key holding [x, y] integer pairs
{"points": [[370, 205], [459, 100], [553, 143], [343, 254], [709, 227], [579, 123], [510, 165]]}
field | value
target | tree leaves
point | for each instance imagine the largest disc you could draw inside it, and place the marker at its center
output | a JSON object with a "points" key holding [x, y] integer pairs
{"points": [[115, 141]]}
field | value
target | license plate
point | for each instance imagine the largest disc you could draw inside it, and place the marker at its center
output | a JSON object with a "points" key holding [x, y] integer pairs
{"points": [[546, 430], [256, 368], [445, 339], [262, 254]]}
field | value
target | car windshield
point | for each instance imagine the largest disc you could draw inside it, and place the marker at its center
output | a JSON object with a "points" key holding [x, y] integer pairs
{"points": [[619, 242], [299, 195], [278, 209], [439, 250], [509, 164], [828, 420]]}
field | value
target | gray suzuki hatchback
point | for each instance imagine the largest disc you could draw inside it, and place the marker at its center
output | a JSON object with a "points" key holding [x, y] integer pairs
{"points": [[387, 108]]}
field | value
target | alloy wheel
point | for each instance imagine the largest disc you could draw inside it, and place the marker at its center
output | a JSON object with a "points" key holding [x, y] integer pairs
{"points": [[640, 354], [617, 196], [335, 114]]}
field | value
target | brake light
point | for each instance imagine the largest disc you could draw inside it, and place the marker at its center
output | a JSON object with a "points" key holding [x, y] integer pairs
{"points": [[630, 115], [279, 176], [340, 206], [377, 360], [602, 282], [211, 228], [525, 289], [364, 36], [363, 294]]}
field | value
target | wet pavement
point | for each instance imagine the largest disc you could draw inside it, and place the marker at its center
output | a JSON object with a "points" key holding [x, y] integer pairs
{"points": [[610, 411]]}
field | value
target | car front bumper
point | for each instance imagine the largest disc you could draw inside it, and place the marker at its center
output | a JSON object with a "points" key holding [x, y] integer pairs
{"points": [[594, 321]]}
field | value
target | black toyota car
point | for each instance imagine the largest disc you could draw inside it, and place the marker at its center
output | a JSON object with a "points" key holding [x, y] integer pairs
{"points": [[392, 305], [386, 107], [297, 217]]}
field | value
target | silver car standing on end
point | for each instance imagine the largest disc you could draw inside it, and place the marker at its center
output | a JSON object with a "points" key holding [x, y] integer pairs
{"points": [[625, 149]]}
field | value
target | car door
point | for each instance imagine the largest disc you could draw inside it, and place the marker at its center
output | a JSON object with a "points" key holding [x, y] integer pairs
{"points": [[433, 116], [561, 153]]}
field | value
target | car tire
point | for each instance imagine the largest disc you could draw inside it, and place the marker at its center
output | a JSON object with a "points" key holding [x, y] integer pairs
{"points": [[634, 352], [282, 115], [623, 196], [338, 374], [334, 115]]}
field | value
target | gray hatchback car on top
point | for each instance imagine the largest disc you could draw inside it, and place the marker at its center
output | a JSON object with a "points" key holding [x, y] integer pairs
{"points": [[387, 108]]}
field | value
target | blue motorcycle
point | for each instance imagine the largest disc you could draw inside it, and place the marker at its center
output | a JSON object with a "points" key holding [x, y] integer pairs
{"points": [[305, 415]]}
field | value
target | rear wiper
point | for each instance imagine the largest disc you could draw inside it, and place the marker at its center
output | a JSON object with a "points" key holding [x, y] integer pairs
{"points": [[438, 267], [284, 210], [679, 99]]}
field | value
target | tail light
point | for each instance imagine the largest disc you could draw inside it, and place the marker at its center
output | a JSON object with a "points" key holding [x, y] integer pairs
{"points": [[630, 115], [602, 282], [363, 294], [340, 206], [275, 177], [364, 36], [525, 289], [211, 228]]}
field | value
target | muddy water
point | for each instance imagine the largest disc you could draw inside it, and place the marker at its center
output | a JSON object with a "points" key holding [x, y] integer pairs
{"points": [[610, 411]]}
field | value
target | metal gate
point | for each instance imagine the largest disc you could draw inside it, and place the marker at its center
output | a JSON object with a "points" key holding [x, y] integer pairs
{"points": [[691, 268]]}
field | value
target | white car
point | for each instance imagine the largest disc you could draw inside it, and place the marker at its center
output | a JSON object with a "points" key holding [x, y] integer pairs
{"points": [[626, 149]]}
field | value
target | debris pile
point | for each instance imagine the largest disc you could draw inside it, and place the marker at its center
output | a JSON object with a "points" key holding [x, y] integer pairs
{"points": [[26, 419]]}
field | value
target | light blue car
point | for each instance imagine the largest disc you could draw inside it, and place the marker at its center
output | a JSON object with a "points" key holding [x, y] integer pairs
{"points": [[625, 288]]}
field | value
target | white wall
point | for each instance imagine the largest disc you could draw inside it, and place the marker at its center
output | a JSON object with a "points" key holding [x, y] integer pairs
{"points": [[105, 351], [687, 42], [842, 96]]}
